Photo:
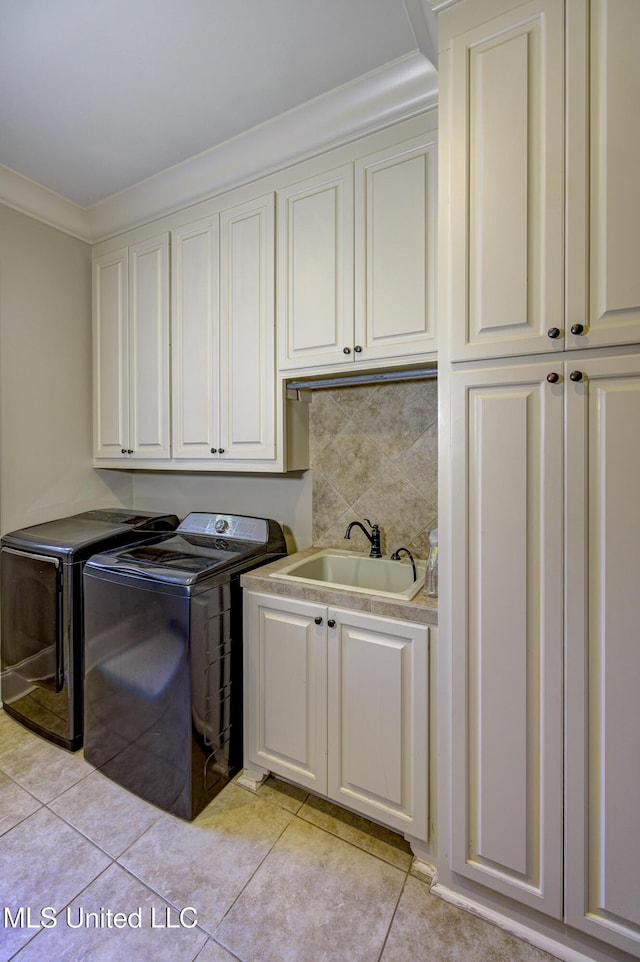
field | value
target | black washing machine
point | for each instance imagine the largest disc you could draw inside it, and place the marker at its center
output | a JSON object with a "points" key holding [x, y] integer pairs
{"points": [[163, 656], [41, 650]]}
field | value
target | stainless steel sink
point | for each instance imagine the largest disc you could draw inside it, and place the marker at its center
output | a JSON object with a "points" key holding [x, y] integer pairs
{"points": [[349, 570]]}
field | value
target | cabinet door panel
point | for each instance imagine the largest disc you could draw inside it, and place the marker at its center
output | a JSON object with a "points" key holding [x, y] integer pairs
{"points": [[507, 633], [247, 336], [285, 686], [615, 161], [395, 211], [149, 348], [507, 184], [378, 711], [111, 354], [195, 326], [603, 652], [315, 270]]}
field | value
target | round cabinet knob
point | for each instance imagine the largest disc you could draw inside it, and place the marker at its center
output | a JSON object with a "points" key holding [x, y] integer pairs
{"points": [[346, 350], [553, 333], [129, 450], [123, 450], [214, 450], [577, 328], [553, 377], [358, 349], [318, 620], [220, 450], [576, 375], [331, 622]]}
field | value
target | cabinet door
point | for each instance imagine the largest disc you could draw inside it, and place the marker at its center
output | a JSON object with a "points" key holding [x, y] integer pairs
{"points": [[286, 688], [378, 719], [507, 180], [507, 632], [247, 335], [111, 355], [614, 309], [603, 652], [149, 375], [195, 341], [315, 271], [395, 236]]}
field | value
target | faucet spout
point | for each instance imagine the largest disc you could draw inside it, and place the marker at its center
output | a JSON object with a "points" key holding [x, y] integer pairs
{"points": [[396, 557], [373, 537]]}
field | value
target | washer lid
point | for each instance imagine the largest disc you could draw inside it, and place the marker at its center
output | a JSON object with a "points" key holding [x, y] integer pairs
{"points": [[175, 559], [88, 531], [65, 536]]}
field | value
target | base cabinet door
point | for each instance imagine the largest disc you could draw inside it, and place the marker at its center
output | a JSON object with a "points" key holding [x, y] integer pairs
{"points": [[603, 652], [337, 701], [377, 718], [285, 693], [507, 750]]}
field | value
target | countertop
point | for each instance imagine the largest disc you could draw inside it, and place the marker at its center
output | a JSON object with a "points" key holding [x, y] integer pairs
{"points": [[421, 609]]}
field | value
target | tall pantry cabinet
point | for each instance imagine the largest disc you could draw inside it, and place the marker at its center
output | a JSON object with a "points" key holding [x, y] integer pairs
{"points": [[540, 292]]}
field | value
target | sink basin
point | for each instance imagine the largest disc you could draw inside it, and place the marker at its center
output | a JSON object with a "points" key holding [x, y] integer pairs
{"points": [[356, 572]]}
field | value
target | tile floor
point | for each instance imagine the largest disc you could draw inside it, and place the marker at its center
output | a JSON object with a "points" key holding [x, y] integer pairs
{"points": [[91, 872]]}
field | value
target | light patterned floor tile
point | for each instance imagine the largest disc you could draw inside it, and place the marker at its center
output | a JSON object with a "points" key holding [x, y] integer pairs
{"points": [[15, 804], [43, 863], [426, 927], [85, 804], [207, 863], [315, 898], [148, 930]]}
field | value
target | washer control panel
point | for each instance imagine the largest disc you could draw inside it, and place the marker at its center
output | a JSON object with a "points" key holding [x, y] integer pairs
{"points": [[235, 526]]}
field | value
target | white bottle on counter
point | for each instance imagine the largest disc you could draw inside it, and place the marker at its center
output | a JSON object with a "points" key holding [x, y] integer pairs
{"points": [[431, 575]]}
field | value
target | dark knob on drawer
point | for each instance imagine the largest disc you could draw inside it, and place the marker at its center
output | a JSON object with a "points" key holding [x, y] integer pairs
{"points": [[346, 350], [331, 622], [577, 328], [214, 450], [123, 450], [553, 332], [553, 377], [318, 620], [358, 349], [220, 450], [576, 375]]}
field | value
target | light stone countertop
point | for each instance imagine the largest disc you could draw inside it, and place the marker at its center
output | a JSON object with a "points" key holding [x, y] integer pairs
{"points": [[421, 609]]}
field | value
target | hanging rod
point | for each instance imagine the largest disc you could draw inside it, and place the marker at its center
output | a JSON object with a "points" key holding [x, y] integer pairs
{"points": [[374, 377]]}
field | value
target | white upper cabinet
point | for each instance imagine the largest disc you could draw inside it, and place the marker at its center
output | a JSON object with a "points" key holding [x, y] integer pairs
{"points": [[507, 159], [543, 169], [612, 315], [195, 338], [223, 338], [247, 331], [395, 252], [131, 352], [356, 261], [315, 270]]}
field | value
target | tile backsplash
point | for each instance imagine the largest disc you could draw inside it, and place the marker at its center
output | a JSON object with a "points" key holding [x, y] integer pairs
{"points": [[374, 454]]}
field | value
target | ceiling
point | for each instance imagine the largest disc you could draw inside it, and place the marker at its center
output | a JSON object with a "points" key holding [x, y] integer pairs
{"points": [[98, 95]]}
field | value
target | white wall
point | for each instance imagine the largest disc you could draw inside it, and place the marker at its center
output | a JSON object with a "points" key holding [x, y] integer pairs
{"points": [[45, 378]]}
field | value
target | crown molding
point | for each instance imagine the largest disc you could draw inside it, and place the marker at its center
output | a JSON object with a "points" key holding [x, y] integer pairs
{"points": [[398, 91], [45, 205]]}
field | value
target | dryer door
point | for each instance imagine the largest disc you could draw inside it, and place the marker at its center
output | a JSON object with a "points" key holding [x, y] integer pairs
{"points": [[31, 640]]}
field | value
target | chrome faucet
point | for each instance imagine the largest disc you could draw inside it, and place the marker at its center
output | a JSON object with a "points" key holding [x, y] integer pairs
{"points": [[373, 538], [396, 557]]}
